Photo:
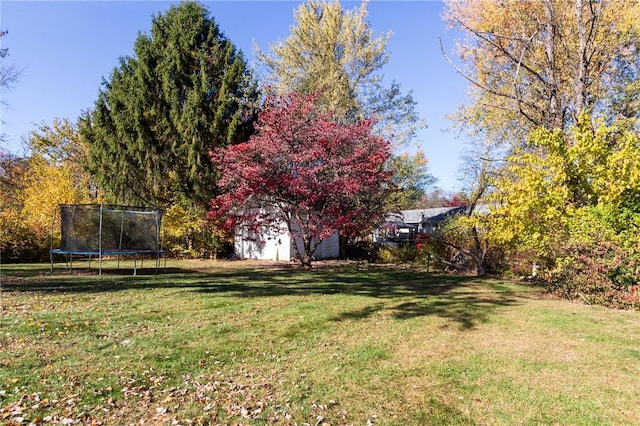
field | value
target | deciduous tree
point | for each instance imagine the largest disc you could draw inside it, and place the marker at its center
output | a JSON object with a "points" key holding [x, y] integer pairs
{"points": [[56, 175], [535, 68], [411, 179], [8, 74], [335, 52], [187, 232], [542, 63], [32, 187], [15, 238], [305, 171], [542, 190]]}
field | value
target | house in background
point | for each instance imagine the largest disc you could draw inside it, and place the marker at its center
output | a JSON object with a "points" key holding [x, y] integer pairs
{"points": [[399, 228], [405, 225], [429, 220]]}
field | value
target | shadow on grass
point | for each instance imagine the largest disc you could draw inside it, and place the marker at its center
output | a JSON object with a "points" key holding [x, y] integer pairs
{"points": [[406, 293]]}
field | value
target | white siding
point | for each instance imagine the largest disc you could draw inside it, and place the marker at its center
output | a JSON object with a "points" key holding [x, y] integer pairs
{"points": [[263, 246], [267, 246], [329, 248]]}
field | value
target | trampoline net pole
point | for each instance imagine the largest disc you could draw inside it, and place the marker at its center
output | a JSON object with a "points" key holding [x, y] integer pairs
{"points": [[100, 243]]}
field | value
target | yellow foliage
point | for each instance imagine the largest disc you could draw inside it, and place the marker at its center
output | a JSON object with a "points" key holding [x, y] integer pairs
{"points": [[542, 63], [188, 232], [52, 175], [47, 185], [547, 185], [178, 221]]}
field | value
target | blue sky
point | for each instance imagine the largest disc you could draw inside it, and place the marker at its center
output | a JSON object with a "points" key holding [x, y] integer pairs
{"points": [[66, 48]]}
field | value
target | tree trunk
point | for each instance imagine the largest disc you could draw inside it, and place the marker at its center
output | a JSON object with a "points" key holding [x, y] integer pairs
{"points": [[305, 258], [581, 72], [554, 119], [305, 261], [479, 254], [343, 242]]}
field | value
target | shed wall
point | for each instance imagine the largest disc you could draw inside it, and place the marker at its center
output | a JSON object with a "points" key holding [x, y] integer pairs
{"points": [[268, 246]]}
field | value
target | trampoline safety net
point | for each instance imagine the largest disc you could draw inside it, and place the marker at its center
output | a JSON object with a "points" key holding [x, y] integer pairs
{"points": [[95, 228], [100, 229]]}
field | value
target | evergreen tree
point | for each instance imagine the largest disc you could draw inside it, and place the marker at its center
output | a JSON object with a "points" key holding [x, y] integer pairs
{"points": [[185, 91]]}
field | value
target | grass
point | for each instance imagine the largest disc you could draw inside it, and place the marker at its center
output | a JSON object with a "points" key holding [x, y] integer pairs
{"points": [[247, 343]]}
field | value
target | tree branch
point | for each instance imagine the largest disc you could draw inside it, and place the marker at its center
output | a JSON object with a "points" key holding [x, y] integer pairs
{"points": [[470, 79]]}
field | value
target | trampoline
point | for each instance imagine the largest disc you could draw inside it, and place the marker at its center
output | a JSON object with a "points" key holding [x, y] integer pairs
{"points": [[105, 230]]}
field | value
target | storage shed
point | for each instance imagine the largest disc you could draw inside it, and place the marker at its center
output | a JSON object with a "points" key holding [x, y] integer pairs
{"points": [[277, 245]]}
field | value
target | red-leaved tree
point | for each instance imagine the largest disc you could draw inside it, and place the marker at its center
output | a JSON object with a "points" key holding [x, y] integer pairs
{"points": [[306, 171]]}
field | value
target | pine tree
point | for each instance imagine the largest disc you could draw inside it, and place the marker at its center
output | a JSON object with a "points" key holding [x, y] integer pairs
{"points": [[185, 91]]}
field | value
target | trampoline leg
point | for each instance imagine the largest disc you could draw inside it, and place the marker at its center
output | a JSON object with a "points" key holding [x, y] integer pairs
{"points": [[135, 272]]}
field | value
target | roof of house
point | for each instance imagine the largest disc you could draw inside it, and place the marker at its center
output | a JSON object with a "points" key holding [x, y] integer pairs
{"points": [[430, 215]]}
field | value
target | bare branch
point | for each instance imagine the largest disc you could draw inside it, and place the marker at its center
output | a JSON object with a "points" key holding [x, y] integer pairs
{"points": [[470, 79]]}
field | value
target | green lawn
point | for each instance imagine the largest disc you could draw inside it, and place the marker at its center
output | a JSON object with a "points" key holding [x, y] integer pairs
{"points": [[248, 343]]}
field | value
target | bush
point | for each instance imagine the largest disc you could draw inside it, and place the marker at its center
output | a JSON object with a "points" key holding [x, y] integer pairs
{"points": [[405, 253], [17, 241], [603, 274], [363, 250], [187, 233], [593, 257], [600, 262]]}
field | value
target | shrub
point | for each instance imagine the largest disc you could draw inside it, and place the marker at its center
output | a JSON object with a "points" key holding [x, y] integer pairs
{"points": [[405, 253], [363, 250], [187, 233], [603, 274]]}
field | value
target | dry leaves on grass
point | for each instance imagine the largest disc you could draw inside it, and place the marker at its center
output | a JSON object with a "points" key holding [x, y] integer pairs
{"points": [[150, 400]]}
